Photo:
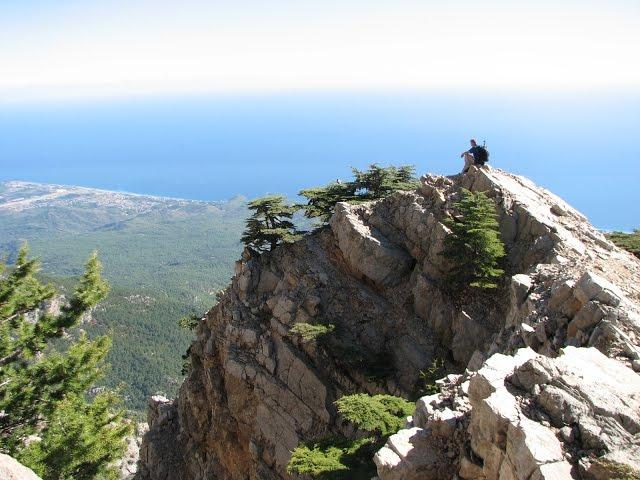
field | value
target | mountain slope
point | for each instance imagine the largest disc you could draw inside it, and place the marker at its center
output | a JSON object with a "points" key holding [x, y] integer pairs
{"points": [[164, 258], [255, 388]]}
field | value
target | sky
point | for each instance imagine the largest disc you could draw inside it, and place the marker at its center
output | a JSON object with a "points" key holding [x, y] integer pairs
{"points": [[66, 49], [208, 99]]}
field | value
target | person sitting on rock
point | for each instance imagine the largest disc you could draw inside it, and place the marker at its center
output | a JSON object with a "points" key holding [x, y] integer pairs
{"points": [[476, 155]]}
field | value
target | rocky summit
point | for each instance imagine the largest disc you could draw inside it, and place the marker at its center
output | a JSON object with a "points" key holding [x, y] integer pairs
{"points": [[543, 376]]}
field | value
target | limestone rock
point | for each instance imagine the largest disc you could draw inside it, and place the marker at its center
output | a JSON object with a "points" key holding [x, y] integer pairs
{"points": [[409, 455], [366, 250], [519, 409], [254, 389], [11, 469]]}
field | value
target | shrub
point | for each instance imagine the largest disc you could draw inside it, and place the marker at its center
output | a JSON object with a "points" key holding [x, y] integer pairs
{"points": [[474, 246], [428, 377], [615, 470], [381, 414], [334, 459], [628, 241], [345, 459], [310, 332], [190, 322]]}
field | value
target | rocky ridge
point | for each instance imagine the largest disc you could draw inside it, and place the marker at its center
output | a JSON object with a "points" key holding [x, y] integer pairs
{"points": [[544, 381]]}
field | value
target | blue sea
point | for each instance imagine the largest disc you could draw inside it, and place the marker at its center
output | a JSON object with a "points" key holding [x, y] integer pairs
{"points": [[583, 147]]}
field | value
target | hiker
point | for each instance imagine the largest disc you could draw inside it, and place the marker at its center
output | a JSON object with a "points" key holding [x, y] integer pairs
{"points": [[476, 155]]}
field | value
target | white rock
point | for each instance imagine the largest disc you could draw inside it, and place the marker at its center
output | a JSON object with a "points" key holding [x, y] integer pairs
{"points": [[408, 455], [593, 287], [11, 469], [530, 445], [553, 471], [366, 250]]}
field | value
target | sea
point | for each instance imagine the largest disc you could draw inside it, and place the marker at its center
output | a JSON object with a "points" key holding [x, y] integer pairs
{"points": [[582, 146]]}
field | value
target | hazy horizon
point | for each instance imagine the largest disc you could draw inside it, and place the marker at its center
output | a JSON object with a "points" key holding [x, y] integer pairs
{"points": [[216, 147], [207, 99], [73, 49]]}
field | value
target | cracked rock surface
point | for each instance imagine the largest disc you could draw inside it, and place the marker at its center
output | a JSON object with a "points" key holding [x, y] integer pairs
{"points": [[526, 416], [542, 383]]}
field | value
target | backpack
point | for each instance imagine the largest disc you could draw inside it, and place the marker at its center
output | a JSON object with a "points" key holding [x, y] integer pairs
{"points": [[481, 155]]}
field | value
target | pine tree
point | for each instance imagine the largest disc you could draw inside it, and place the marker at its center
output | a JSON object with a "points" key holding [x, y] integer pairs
{"points": [[379, 182], [270, 224], [37, 379], [81, 441], [373, 183], [322, 200], [474, 246]]}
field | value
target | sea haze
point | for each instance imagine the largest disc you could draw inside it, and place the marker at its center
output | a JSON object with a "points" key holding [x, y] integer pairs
{"points": [[581, 146]]}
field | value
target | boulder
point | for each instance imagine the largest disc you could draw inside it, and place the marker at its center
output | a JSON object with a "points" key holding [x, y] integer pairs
{"points": [[469, 335], [519, 289], [11, 469], [530, 446], [594, 287], [366, 250], [409, 455], [588, 316]]}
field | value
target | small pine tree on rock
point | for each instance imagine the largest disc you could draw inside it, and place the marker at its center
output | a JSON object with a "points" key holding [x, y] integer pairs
{"points": [[270, 224], [81, 441], [474, 246]]}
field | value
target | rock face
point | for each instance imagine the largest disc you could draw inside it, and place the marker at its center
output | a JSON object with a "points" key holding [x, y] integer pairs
{"points": [[128, 465], [11, 469], [525, 416], [544, 388]]}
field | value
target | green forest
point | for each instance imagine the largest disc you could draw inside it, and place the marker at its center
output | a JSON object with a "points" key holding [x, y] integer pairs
{"points": [[163, 264]]}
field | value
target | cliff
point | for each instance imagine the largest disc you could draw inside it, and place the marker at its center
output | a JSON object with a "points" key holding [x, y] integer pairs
{"points": [[541, 369]]}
